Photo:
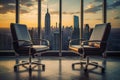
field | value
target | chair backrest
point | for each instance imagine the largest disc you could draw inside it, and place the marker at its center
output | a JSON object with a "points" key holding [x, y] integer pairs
{"points": [[100, 32], [20, 32]]}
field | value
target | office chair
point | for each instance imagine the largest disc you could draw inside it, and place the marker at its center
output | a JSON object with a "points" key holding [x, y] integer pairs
{"points": [[96, 45], [22, 44]]}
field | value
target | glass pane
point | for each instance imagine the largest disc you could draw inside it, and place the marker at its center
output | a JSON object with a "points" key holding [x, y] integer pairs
{"points": [[70, 22], [50, 22], [93, 15], [92, 12], [29, 16], [28, 13], [7, 16], [113, 12]]}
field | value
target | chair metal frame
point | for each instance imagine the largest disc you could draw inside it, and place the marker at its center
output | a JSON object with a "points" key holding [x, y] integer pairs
{"points": [[28, 64], [86, 59]]}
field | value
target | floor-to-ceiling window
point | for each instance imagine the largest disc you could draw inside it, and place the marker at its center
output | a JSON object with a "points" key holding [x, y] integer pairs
{"points": [[28, 15], [71, 20], [113, 12], [92, 12], [7, 16], [50, 20], [93, 15]]}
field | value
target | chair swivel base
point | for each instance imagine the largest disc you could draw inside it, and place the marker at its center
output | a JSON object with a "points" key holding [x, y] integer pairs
{"points": [[29, 65], [87, 63]]}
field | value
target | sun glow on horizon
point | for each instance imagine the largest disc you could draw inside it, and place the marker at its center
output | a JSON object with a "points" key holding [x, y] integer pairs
{"points": [[29, 14]]}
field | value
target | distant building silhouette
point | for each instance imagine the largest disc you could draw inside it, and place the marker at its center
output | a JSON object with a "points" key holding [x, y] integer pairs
{"points": [[5, 39], [86, 32], [56, 41], [66, 36], [76, 31], [47, 25], [47, 34]]}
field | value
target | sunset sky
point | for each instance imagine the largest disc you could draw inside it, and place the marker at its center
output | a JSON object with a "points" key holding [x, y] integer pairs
{"points": [[28, 12]]}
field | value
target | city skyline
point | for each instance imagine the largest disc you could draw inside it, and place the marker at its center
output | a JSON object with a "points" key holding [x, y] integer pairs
{"points": [[28, 12]]}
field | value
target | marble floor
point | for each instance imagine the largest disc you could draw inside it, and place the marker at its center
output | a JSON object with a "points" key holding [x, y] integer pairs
{"points": [[60, 69]]}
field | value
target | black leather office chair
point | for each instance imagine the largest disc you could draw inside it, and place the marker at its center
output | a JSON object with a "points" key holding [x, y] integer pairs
{"points": [[23, 44], [95, 45]]}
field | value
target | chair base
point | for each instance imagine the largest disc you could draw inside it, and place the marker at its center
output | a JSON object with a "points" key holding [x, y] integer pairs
{"points": [[87, 63], [29, 65]]}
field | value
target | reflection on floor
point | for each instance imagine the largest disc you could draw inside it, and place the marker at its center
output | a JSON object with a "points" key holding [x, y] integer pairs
{"points": [[59, 69]]}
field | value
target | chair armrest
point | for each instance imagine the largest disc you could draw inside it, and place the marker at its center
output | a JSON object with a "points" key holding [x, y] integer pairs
{"points": [[48, 43], [24, 41], [84, 41], [75, 40], [93, 41]]}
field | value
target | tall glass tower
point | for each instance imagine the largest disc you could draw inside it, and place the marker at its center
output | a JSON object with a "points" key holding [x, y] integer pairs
{"points": [[76, 31]]}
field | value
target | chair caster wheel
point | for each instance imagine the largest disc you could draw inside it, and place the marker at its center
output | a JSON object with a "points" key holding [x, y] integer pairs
{"points": [[72, 65], [85, 70], [103, 70], [15, 68], [96, 66], [30, 69], [43, 67]]}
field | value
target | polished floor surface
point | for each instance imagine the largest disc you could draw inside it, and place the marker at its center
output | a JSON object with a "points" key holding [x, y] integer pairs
{"points": [[60, 69]]}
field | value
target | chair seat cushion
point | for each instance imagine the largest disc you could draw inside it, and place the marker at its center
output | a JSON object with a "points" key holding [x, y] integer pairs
{"points": [[94, 44], [40, 48], [34, 49], [87, 48]]}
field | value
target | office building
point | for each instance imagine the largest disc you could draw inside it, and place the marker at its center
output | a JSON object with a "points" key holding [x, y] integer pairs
{"points": [[86, 32], [76, 30], [47, 25]]}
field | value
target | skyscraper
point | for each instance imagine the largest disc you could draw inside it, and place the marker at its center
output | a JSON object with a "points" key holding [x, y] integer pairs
{"points": [[76, 31], [47, 25], [56, 41], [86, 32]]}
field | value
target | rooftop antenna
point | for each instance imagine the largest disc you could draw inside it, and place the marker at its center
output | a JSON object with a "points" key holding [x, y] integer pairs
{"points": [[47, 6]]}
